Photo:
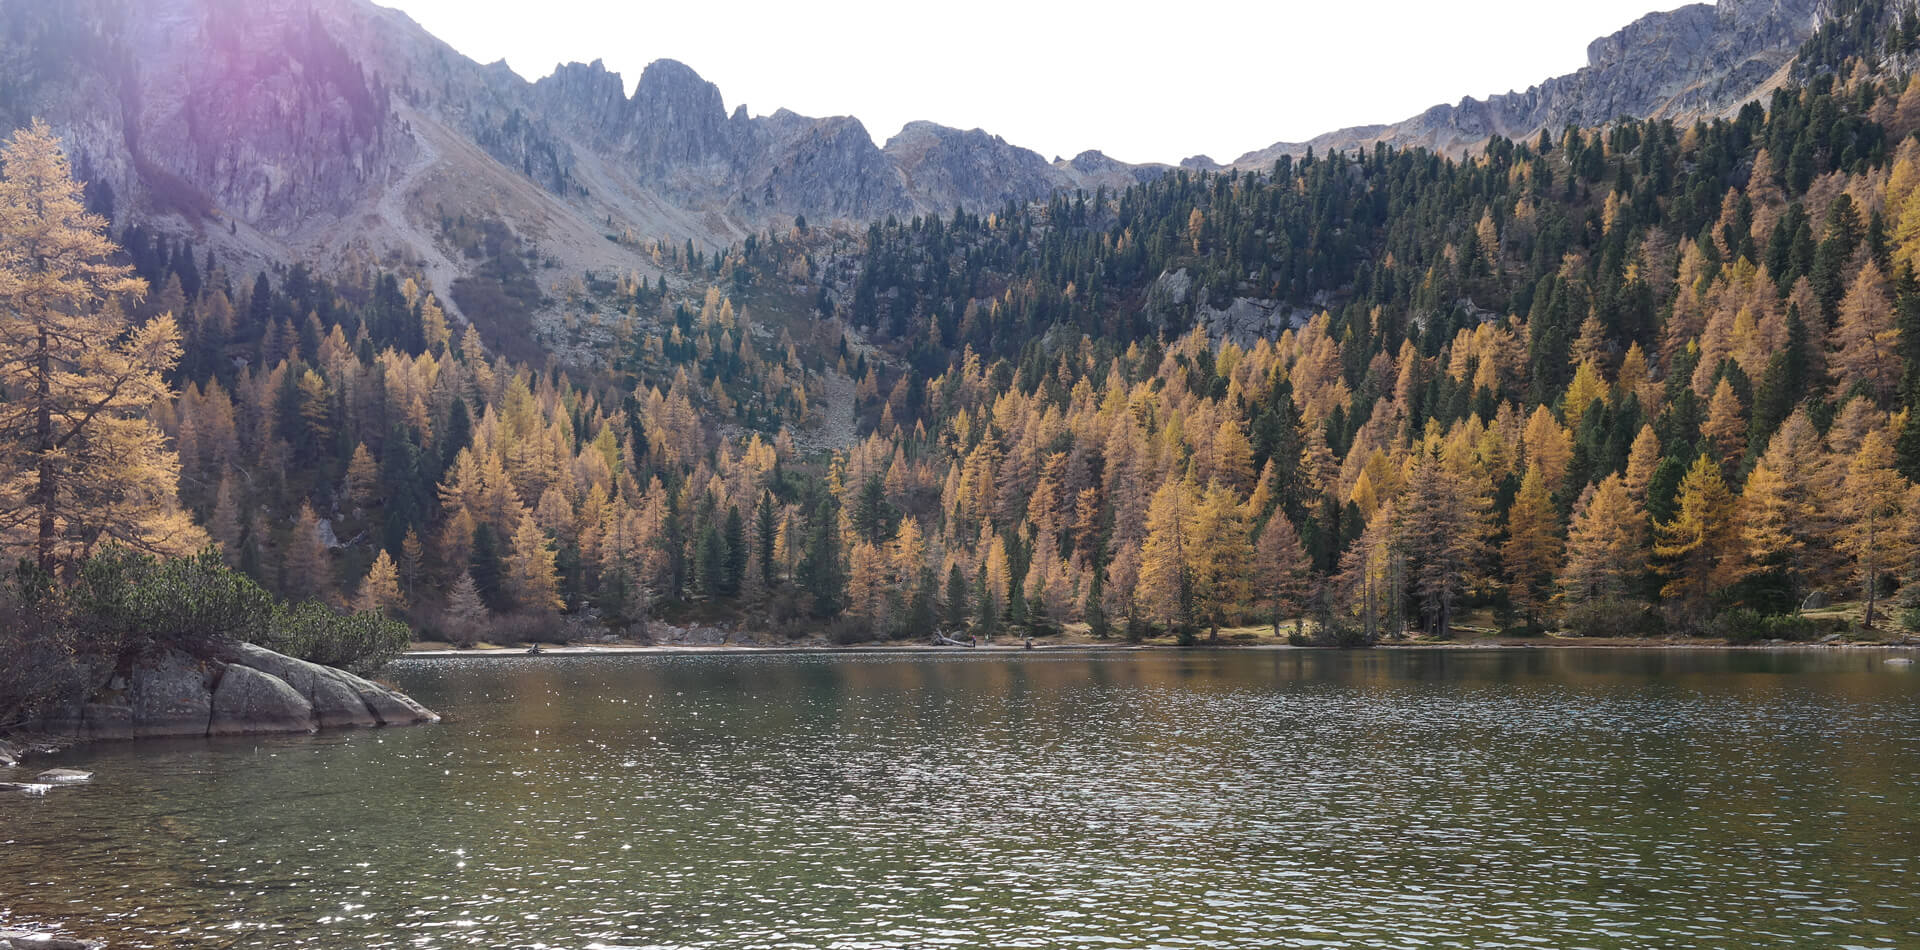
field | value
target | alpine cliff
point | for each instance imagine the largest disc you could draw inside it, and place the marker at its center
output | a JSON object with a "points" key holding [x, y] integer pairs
{"points": [[338, 131]]}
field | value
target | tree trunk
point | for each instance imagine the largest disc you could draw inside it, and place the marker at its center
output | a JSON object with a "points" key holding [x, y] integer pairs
{"points": [[46, 496], [1873, 587]]}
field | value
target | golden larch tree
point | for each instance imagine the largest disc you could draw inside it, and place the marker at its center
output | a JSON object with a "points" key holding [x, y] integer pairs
{"points": [[1875, 528], [1700, 550], [1767, 514], [1549, 446], [306, 567], [1281, 571], [467, 617], [1866, 339], [1606, 545], [1642, 459], [1165, 590], [82, 461], [1726, 426], [1443, 533], [1219, 554], [1531, 553], [531, 578], [380, 589]]}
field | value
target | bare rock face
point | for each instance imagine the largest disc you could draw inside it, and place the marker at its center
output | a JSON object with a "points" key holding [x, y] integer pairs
{"points": [[253, 111], [677, 120], [1696, 61], [977, 168]]}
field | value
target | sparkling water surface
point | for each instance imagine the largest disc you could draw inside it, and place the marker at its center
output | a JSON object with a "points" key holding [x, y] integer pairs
{"points": [[1485, 799]]}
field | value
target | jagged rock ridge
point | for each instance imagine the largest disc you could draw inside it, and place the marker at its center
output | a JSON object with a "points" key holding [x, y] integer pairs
{"points": [[299, 129]]}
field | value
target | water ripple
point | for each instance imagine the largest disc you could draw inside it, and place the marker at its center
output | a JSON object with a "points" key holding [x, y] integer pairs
{"points": [[1564, 800]]}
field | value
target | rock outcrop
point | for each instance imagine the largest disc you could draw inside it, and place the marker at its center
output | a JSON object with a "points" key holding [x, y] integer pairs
{"points": [[231, 689], [1694, 62]]}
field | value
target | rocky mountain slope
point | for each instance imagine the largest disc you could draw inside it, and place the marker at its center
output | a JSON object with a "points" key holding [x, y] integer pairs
{"points": [[1697, 61], [340, 131]]}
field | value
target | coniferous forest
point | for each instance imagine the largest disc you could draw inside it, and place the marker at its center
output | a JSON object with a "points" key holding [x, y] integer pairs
{"points": [[1640, 379]]}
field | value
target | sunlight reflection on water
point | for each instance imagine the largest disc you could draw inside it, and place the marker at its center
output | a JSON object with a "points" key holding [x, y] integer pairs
{"points": [[1514, 799]]}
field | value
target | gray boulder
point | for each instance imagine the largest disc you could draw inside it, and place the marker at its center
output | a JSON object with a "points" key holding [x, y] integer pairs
{"points": [[29, 940], [64, 777], [337, 700], [248, 701]]}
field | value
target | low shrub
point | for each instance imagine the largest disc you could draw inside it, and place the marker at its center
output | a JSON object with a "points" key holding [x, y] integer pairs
{"points": [[1611, 618], [42, 662], [1043, 627], [525, 627], [1343, 634], [121, 594], [846, 631], [1745, 625], [312, 631], [1910, 619]]}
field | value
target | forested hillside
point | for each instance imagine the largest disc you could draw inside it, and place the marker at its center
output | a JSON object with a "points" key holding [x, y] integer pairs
{"points": [[1629, 379]]}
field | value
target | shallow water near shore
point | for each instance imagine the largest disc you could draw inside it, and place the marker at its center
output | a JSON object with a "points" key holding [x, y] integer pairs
{"points": [[1488, 798]]}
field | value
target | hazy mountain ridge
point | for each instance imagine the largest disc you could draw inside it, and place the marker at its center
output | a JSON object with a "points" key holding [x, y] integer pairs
{"points": [[1694, 62]]}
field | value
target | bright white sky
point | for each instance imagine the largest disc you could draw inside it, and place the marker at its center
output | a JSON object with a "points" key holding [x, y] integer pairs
{"points": [[1141, 83]]}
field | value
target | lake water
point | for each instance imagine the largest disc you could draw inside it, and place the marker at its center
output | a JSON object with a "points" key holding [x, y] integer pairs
{"points": [[1520, 798]]}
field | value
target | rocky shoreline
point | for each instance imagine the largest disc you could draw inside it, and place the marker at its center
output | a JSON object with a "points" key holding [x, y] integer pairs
{"points": [[225, 689]]}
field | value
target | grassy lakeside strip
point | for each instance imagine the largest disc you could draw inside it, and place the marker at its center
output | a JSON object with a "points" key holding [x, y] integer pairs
{"points": [[1836, 625], [1057, 646]]}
